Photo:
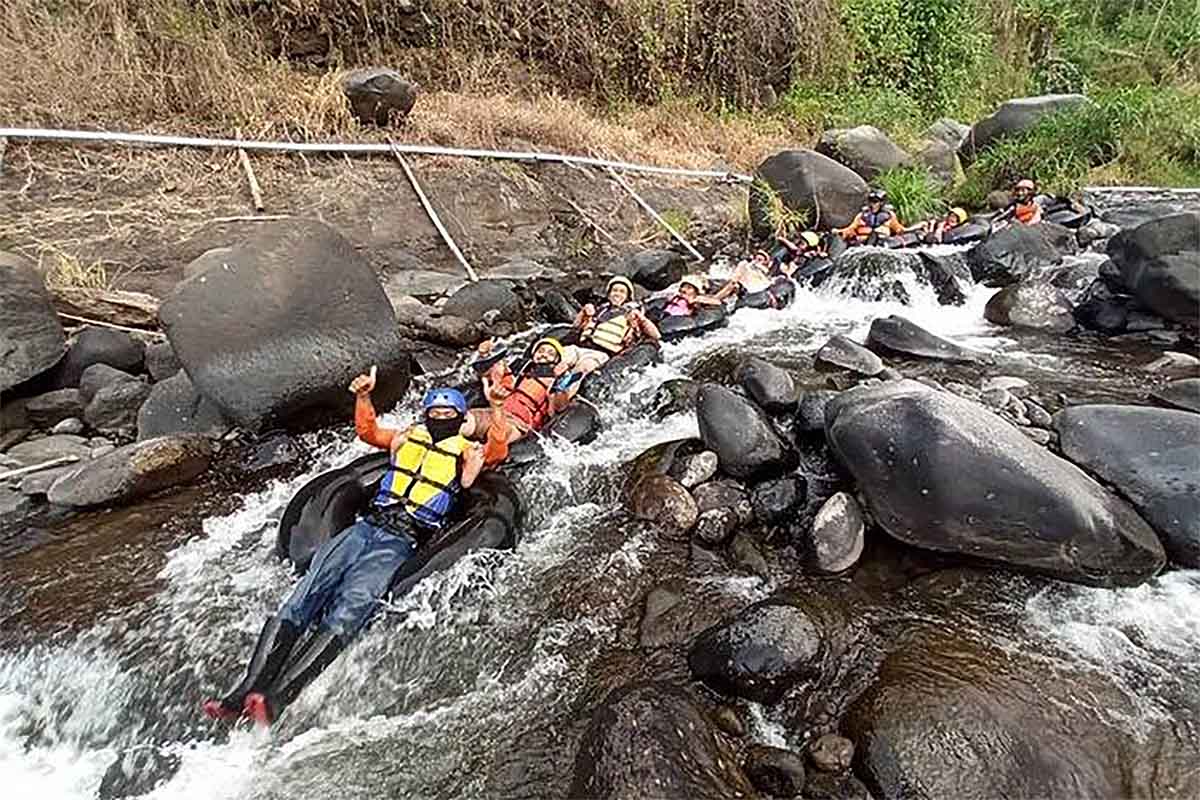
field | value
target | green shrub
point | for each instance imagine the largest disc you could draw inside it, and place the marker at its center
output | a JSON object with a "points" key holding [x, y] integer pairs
{"points": [[912, 192]]}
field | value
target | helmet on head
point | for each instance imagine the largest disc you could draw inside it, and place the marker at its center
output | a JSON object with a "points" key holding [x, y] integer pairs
{"points": [[1025, 183], [959, 214], [876, 196], [445, 398], [554, 343], [810, 238], [694, 281], [620, 280]]}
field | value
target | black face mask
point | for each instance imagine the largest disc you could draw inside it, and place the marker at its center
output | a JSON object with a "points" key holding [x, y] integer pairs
{"points": [[441, 429]]}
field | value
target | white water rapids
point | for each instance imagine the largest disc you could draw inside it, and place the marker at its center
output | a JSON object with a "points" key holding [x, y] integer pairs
{"points": [[428, 703]]}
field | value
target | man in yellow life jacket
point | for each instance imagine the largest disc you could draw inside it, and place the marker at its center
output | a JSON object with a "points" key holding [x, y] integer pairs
{"points": [[430, 463], [874, 222], [611, 329]]}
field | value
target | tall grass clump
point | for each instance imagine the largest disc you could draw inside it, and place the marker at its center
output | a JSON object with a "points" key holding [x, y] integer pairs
{"points": [[912, 192]]}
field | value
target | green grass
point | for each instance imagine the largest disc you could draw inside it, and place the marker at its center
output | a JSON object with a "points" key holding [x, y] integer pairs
{"points": [[913, 193], [775, 213]]}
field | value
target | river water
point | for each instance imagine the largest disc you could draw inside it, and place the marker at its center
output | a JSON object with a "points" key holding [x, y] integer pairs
{"points": [[468, 686]]}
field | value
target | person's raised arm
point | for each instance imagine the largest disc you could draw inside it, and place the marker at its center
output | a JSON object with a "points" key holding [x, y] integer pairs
{"points": [[472, 465], [648, 328], [365, 423]]}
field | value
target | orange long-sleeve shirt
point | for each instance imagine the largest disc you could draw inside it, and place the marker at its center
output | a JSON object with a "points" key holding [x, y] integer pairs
{"points": [[495, 449]]}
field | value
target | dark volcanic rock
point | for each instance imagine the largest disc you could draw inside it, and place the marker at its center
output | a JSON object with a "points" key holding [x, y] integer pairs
{"points": [[174, 406], [770, 386], [760, 654], [651, 740], [31, 337], [808, 181], [1031, 305], [98, 376], [837, 535], [865, 149], [1152, 457], [94, 345], [842, 353], [900, 336], [776, 501], [943, 473], [736, 430], [161, 361], [1017, 253], [47, 410], [656, 269], [474, 300], [810, 415], [279, 335], [133, 471], [113, 410], [379, 96], [1160, 264], [1012, 117], [1184, 394], [775, 771]]}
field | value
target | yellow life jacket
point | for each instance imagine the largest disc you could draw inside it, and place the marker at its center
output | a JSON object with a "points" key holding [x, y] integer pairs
{"points": [[608, 330], [424, 476]]}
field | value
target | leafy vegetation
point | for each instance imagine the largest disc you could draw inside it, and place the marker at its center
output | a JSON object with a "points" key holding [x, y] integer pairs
{"points": [[912, 192]]}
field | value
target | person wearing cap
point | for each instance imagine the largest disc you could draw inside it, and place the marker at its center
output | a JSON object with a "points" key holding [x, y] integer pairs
{"points": [[1024, 208], [690, 295], [429, 464], [524, 399], [611, 328], [875, 221], [935, 232], [752, 275], [794, 255]]}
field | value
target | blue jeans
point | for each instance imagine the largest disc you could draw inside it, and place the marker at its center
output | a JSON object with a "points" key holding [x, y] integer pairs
{"points": [[349, 574]]}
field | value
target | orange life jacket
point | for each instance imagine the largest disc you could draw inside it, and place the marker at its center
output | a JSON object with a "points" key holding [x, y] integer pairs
{"points": [[1026, 212], [529, 402], [867, 221]]}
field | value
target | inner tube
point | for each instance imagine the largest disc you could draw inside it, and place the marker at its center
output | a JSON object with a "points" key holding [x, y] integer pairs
{"points": [[577, 423], [970, 231], [779, 294], [602, 384], [705, 318], [487, 516], [1068, 216], [903, 240], [814, 271]]}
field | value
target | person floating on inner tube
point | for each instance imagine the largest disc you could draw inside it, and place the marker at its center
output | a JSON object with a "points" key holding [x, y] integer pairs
{"points": [[1024, 208], [690, 295], [935, 232], [793, 256], [430, 463], [875, 222], [749, 277], [524, 400], [612, 328]]}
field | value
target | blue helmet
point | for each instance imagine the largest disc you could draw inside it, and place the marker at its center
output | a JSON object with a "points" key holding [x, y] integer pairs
{"points": [[445, 398]]}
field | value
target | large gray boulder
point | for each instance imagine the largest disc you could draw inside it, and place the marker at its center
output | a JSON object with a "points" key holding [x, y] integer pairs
{"points": [[1018, 252], [655, 269], [133, 471], [31, 336], [379, 96], [940, 161], [1039, 306], [653, 740], [476, 299], [174, 406], [809, 182], [281, 332], [944, 473], [1152, 457], [1183, 394], [896, 335], [1160, 264], [841, 353], [1012, 117], [740, 434], [865, 149], [950, 132]]}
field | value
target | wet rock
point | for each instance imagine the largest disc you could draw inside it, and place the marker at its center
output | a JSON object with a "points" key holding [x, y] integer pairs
{"points": [[49, 448], [99, 450], [136, 772], [656, 269], [1100, 309], [47, 410], [729, 720], [996, 397], [13, 503], [1151, 456], [1073, 278], [379, 96], [1173, 362], [113, 411], [174, 406], [31, 336], [1039, 306], [1012, 117], [1010, 383], [865, 149], [97, 376], [1139, 321], [758, 655], [946, 130], [842, 353], [875, 274], [1015, 254], [823, 786], [662, 500], [161, 361], [72, 425], [832, 753], [259, 339], [675, 396], [738, 432], [1160, 264], [963, 390], [948, 274], [776, 501], [986, 491], [714, 527], [651, 740], [474, 300], [94, 345], [1038, 416], [897, 335], [775, 771], [723, 494], [745, 556], [37, 484], [694, 470], [770, 386], [433, 325], [837, 535], [1096, 231], [677, 610], [807, 181], [1184, 395], [810, 415], [134, 471], [1039, 436]]}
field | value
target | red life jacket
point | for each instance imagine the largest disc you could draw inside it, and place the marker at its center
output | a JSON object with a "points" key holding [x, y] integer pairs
{"points": [[529, 402], [1025, 212]]}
